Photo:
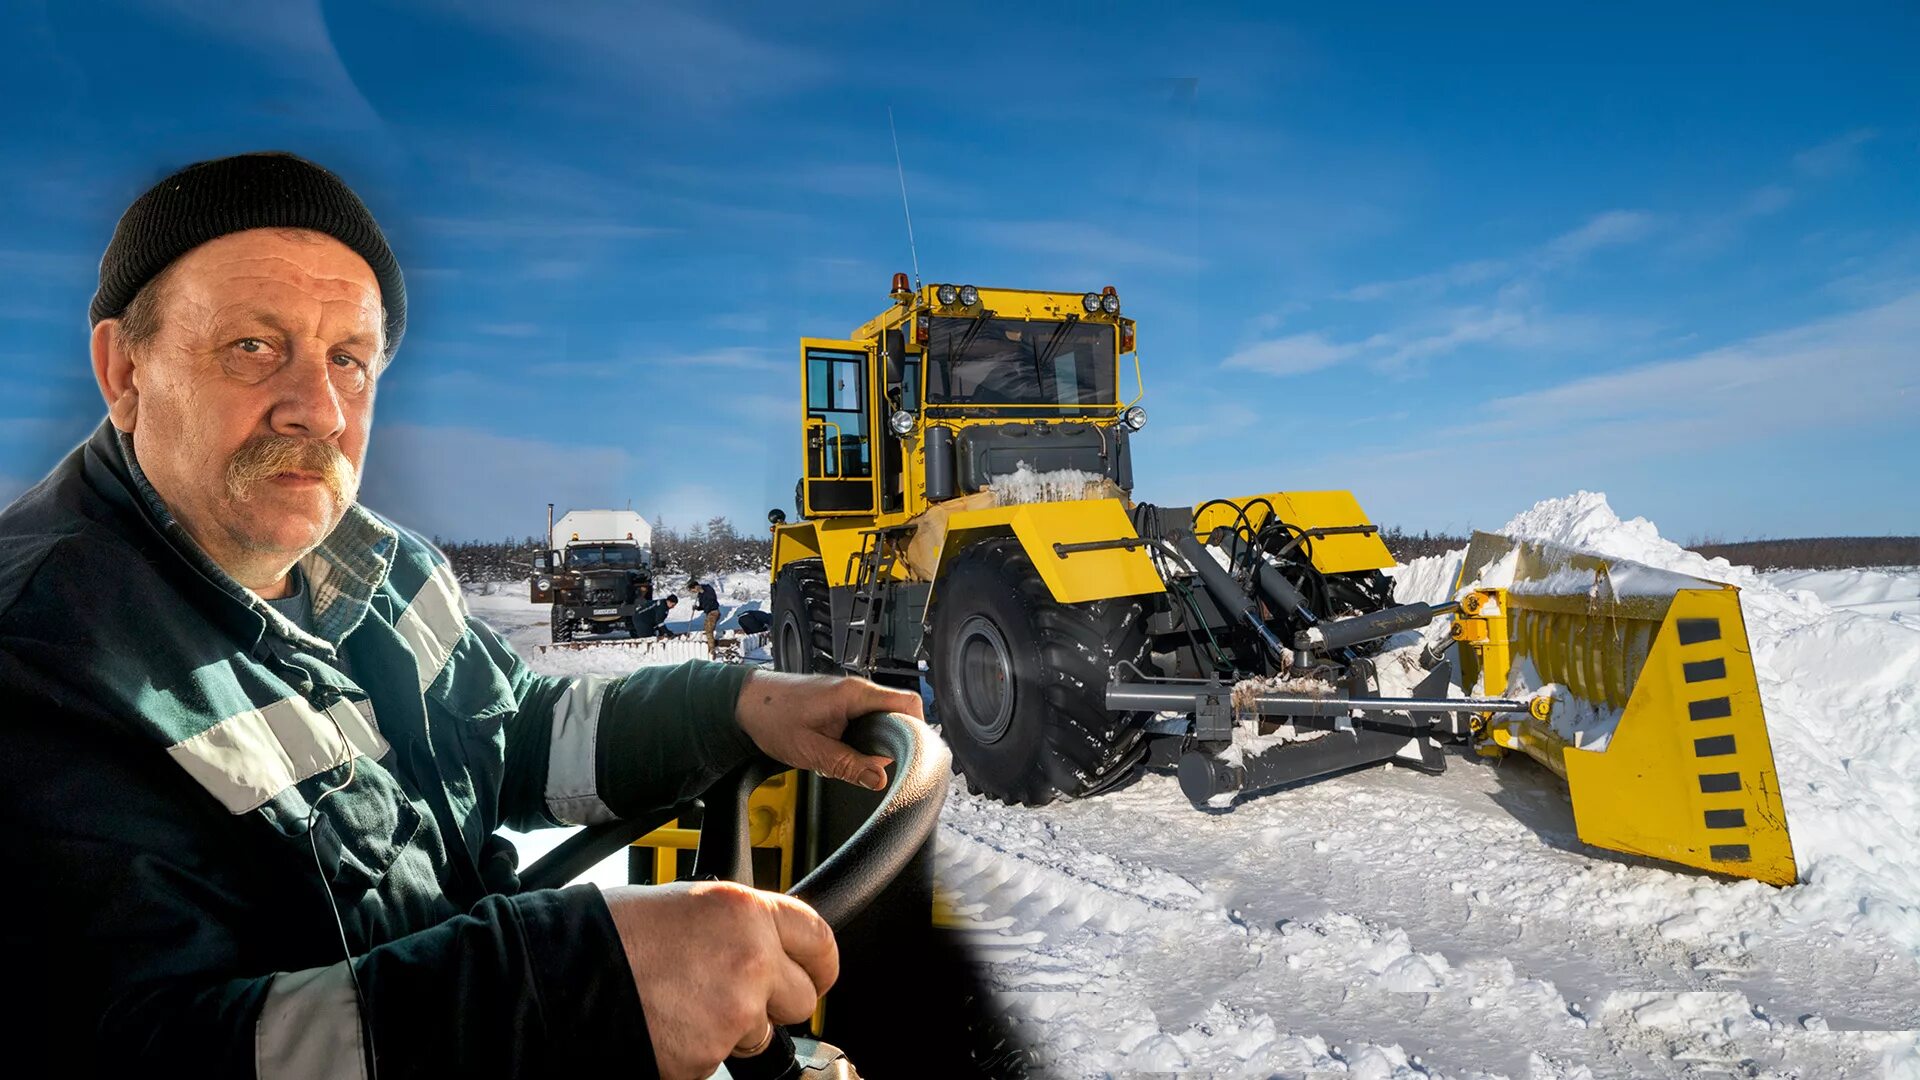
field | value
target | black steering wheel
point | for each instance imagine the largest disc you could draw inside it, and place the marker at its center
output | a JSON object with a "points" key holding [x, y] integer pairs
{"points": [[841, 886]]}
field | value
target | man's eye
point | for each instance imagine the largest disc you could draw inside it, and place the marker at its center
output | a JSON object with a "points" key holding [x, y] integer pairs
{"points": [[252, 345], [345, 360]]}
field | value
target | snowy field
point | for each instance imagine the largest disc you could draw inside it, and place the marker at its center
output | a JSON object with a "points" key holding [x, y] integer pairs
{"points": [[1388, 924]]}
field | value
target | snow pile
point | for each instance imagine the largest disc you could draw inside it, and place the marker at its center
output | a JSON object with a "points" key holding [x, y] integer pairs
{"points": [[1890, 595], [1427, 580], [1024, 485], [1841, 692]]}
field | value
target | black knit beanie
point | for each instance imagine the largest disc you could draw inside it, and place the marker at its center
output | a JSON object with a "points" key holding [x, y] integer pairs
{"points": [[270, 190]]}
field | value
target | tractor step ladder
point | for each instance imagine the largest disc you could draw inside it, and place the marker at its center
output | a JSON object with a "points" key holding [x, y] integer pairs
{"points": [[871, 569]]}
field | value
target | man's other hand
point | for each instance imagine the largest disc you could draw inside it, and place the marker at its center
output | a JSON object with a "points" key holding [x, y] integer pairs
{"points": [[717, 963], [798, 720]]}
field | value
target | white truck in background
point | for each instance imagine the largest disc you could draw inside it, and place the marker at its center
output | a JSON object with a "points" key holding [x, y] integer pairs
{"points": [[597, 572]]}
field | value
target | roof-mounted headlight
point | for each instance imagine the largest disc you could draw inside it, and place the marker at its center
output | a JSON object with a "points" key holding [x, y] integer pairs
{"points": [[969, 295], [1091, 302], [947, 294], [1135, 417], [900, 422], [1110, 303]]}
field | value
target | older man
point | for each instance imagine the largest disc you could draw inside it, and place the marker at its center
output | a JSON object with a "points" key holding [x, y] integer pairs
{"points": [[253, 750]]}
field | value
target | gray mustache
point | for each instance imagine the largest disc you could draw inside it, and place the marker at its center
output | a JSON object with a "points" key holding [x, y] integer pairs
{"points": [[269, 455]]}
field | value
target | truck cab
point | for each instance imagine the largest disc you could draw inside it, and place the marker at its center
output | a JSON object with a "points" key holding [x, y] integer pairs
{"points": [[597, 575]]}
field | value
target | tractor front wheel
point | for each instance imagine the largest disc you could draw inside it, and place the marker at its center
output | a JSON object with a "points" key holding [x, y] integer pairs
{"points": [[802, 620], [1020, 679]]}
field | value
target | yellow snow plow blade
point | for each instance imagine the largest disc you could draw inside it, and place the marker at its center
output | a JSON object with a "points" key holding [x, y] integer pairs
{"points": [[1651, 714]]}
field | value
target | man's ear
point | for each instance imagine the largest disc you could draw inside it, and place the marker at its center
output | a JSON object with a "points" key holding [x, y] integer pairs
{"points": [[113, 366]]}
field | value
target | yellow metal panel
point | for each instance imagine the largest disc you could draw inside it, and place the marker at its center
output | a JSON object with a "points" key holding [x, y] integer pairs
{"points": [[1688, 775], [770, 824], [1074, 578], [792, 543], [1310, 510], [839, 543]]}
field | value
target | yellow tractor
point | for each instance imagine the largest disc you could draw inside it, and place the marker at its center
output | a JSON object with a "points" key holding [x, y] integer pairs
{"points": [[968, 516]]}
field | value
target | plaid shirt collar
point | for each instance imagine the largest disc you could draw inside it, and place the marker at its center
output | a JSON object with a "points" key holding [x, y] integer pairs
{"points": [[343, 573]]}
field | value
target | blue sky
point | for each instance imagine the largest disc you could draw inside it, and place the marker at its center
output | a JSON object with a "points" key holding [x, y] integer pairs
{"points": [[1453, 261]]}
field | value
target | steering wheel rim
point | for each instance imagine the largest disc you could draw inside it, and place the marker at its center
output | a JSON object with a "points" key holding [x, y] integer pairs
{"points": [[842, 884]]}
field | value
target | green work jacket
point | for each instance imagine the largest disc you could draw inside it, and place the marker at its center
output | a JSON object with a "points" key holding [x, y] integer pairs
{"points": [[192, 788]]}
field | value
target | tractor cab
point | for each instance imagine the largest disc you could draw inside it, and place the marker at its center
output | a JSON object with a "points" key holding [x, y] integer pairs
{"points": [[954, 385]]}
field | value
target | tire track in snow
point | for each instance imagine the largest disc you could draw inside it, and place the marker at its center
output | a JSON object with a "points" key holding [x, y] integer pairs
{"points": [[1170, 942]]}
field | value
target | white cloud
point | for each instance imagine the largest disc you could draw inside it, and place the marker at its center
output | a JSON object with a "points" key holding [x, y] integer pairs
{"points": [[1296, 354], [1855, 368], [1611, 229], [1464, 328], [1508, 323], [1835, 156], [1458, 275]]}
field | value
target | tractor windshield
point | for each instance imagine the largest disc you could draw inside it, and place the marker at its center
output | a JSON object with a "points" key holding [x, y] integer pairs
{"points": [[1028, 362]]}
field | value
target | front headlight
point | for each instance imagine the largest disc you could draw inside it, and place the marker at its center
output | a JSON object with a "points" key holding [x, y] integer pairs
{"points": [[1091, 302], [900, 422], [947, 294], [1135, 417], [969, 295], [543, 584], [1110, 304]]}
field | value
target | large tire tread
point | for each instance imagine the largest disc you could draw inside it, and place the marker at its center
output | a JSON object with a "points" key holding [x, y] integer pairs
{"points": [[804, 582], [1086, 747]]}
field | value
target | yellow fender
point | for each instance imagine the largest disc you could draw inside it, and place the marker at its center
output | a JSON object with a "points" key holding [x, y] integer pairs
{"points": [[1075, 577]]}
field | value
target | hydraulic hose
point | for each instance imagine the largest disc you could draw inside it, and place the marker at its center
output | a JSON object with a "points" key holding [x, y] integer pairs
{"points": [[1228, 595]]}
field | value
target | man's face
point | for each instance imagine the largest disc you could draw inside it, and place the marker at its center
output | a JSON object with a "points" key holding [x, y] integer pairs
{"points": [[255, 395]]}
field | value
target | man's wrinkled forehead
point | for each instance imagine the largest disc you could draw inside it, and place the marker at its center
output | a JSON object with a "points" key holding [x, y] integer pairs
{"points": [[274, 277]]}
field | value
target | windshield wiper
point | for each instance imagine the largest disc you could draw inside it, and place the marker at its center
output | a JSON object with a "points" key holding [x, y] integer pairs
{"points": [[1053, 343], [972, 332]]}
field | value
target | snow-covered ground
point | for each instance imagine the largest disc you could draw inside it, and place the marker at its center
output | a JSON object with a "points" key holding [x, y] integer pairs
{"points": [[1391, 924], [1892, 594]]}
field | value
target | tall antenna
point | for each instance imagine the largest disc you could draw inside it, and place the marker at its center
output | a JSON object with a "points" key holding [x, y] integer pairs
{"points": [[904, 205]]}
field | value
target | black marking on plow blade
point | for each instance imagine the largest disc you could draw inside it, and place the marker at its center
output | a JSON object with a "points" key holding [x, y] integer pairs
{"points": [[1710, 709], [1714, 746], [1719, 783], [1695, 631], [1726, 819], [1704, 670], [1729, 853]]}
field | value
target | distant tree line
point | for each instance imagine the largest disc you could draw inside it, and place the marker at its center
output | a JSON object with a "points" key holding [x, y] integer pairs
{"points": [[717, 547], [1406, 546], [476, 561], [1817, 552], [713, 548], [1806, 553]]}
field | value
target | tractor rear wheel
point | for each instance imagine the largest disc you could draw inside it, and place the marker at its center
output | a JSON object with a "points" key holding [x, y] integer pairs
{"points": [[1020, 679], [802, 620]]}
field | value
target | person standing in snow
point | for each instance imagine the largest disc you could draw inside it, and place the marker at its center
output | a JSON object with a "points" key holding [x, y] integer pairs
{"points": [[707, 603], [247, 724]]}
